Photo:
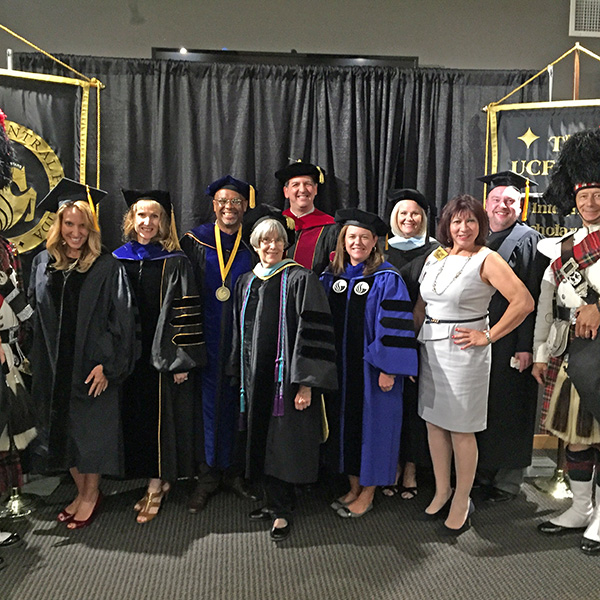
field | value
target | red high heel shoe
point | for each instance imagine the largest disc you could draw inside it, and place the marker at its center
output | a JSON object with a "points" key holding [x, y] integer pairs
{"points": [[77, 524], [64, 516]]}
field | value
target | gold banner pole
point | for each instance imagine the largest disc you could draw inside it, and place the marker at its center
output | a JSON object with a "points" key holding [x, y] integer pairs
{"points": [[576, 75]]}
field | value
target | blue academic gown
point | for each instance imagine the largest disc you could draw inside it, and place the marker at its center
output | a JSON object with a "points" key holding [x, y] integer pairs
{"points": [[217, 414], [374, 332]]}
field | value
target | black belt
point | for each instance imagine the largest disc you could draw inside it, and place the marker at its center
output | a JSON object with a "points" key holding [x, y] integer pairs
{"points": [[562, 312], [8, 336], [428, 319]]}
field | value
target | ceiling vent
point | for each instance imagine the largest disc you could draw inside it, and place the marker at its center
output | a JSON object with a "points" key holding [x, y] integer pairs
{"points": [[585, 18]]}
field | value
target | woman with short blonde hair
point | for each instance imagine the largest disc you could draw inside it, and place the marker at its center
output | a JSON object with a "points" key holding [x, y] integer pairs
{"points": [[157, 405]]}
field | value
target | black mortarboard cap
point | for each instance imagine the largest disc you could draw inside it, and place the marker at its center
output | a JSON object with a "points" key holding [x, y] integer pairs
{"points": [[68, 190], [265, 211], [510, 179], [506, 178], [231, 183], [161, 196], [361, 218], [298, 169]]}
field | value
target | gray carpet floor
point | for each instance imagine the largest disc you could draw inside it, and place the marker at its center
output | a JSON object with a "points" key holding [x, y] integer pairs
{"points": [[220, 554]]}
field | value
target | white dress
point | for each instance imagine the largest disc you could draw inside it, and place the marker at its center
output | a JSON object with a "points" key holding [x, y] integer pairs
{"points": [[454, 383]]}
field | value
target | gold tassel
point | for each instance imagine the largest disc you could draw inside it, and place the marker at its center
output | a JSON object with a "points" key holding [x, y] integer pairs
{"points": [[252, 199], [92, 208], [387, 246], [321, 176], [525, 202], [173, 231]]}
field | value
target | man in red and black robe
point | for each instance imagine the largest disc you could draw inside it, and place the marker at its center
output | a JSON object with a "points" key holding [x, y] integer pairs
{"points": [[316, 231]]}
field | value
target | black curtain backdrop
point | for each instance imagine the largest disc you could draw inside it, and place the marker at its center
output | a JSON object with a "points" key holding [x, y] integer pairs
{"points": [[178, 125]]}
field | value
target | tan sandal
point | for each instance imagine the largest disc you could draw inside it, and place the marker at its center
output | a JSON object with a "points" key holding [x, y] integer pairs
{"points": [[140, 503], [151, 500], [165, 488]]}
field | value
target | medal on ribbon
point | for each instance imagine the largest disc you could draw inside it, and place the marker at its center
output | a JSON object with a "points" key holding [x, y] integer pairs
{"points": [[223, 293]]}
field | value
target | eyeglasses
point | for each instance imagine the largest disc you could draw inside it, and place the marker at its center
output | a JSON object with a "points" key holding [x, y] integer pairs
{"points": [[269, 241], [233, 201]]}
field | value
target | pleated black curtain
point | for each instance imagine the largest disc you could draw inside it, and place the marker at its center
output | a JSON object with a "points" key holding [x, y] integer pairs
{"points": [[179, 125]]}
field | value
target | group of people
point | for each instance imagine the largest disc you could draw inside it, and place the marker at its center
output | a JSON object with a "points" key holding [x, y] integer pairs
{"points": [[260, 349]]}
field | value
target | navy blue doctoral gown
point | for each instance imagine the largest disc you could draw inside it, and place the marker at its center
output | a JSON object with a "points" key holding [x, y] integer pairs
{"points": [[374, 333], [217, 413]]}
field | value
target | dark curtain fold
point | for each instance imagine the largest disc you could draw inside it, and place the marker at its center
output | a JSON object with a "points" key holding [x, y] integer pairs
{"points": [[179, 125]]}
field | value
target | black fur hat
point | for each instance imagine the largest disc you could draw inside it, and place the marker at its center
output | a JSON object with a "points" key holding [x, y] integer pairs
{"points": [[6, 155], [577, 167]]}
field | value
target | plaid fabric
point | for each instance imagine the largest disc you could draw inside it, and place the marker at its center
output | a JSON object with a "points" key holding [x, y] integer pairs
{"points": [[554, 365], [586, 253]]}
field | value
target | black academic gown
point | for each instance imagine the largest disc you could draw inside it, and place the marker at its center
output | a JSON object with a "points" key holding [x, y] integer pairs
{"points": [[413, 445], [285, 446], [157, 412], [508, 440], [410, 264], [104, 333]]}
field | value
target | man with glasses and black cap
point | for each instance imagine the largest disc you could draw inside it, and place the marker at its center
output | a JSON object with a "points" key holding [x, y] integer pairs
{"points": [[219, 256], [505, 447]]}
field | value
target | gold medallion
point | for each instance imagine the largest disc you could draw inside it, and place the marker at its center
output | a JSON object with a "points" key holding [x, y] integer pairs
{"points": [[223, 293]]}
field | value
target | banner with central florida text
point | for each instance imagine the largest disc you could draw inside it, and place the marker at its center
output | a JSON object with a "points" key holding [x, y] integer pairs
{"points": [[527, 138], [47, 124]]}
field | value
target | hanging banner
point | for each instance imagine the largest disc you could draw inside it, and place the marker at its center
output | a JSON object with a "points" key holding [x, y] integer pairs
{"points": [[47, 123], [527, 138]]}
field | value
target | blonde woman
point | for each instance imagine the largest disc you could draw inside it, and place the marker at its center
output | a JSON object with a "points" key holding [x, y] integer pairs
{"points": [[408, 249], [157, 407], [84, 338]]}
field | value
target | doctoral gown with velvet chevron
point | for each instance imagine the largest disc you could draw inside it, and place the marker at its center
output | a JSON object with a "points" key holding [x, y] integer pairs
{"points": [[157, 413], [285, 446], [374, 333]]}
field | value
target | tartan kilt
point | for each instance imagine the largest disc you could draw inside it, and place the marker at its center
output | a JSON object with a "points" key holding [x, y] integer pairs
{"points": [[551, 374], [562, 413]]}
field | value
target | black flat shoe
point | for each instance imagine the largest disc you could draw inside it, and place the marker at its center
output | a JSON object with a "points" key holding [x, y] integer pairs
{"points": [[589, 546], [549, 528], [261, 514], [278, 534]]}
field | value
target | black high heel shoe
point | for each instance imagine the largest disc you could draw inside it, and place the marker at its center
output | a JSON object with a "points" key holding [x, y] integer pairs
{"points": [[440, 514], [449, 532]]}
